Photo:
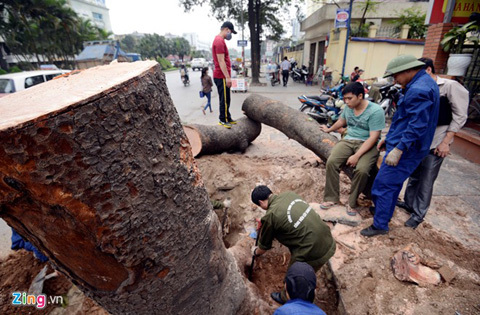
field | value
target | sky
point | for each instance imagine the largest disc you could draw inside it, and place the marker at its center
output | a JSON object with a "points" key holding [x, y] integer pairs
{"points": [[152, 16]]}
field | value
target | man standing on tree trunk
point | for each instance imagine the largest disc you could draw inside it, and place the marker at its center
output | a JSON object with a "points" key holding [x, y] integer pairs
{"points": [[222, 73], [292, 221]]}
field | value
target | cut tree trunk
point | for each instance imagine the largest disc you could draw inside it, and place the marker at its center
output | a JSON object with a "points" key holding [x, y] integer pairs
{"points": [[293, 123], [298, 126], [217, 139], [96, 172]]}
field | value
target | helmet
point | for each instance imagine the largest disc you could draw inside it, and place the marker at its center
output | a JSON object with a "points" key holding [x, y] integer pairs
{"points": [[402, 63]]}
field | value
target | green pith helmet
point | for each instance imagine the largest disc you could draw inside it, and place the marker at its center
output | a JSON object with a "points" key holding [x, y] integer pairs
{"points": [[402, 63]]}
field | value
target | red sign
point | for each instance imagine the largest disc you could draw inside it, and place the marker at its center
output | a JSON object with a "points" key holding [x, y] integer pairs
{"points": [[461, 11]]}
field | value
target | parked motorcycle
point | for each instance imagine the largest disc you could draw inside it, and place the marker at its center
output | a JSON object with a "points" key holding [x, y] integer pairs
{"points": [[299, 75], [323, 108], [390, 94]]}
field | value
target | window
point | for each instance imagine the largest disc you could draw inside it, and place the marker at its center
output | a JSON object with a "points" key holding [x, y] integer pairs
{"points": [[31, 81], [97, 16], [6, 86], [51, 76]]}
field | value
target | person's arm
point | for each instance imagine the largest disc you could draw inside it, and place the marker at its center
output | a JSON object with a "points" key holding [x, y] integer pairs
{"points": [[223, 67], [458, 97], [341, 122], [365, 147]]}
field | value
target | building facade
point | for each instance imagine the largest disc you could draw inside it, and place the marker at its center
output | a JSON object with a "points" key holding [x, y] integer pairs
{"points": [[93, 10]]}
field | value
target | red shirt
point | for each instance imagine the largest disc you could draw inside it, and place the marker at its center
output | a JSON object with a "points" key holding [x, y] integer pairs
{"points": [[219, 47]]}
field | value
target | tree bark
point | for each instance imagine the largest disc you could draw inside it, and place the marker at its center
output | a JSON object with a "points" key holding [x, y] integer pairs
{"points": [[96, 172], [293, 123], [217, 139], [254, 40]]}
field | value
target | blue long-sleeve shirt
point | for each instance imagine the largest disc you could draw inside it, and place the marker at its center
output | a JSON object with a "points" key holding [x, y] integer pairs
{"points": [[299, 307], [415, 120]]}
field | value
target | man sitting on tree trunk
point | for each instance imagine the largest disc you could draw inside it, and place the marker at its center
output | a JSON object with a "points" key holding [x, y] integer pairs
{"points": [[292, 221], [365, 121]]}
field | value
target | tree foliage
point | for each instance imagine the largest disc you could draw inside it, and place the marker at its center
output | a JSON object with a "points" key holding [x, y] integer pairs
{"points": [[47, 29], [154, 46], [415, 18]]}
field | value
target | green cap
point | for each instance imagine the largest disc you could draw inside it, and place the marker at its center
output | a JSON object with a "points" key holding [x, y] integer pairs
{"points": [[402, 63]]}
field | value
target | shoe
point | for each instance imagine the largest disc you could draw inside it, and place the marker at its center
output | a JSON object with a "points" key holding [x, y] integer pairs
{"points": [[203, 111], [412, 223], [404, 206], [277, 297], [372, 231], [351, 211], [232, 122], [226, 125], [327, 205], [211, 111]]}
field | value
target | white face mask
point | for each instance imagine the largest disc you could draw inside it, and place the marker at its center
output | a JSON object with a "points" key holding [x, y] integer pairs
{"points": [[229, 36]]}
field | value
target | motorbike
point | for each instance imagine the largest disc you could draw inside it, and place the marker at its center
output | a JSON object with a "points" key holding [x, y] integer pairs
{"points": [[185, 80], [274, 78], [326, 107], [299, 75], [390, 94]]}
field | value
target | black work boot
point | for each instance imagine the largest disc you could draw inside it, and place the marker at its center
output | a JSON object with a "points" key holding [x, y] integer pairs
{"points": [[412, 223], [372, 231]]}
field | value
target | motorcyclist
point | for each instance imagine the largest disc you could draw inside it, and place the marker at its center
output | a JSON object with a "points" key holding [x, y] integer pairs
{"points": [[184, 73]]}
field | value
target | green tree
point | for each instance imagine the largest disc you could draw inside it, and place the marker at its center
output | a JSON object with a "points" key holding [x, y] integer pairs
{"points": [[181, 47], [47, 29], [415, 18], [154, 46], [262, 17], [129, 43], [368, 6]]}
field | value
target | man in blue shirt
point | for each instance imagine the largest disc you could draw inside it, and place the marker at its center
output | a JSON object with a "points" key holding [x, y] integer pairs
{"points": [[300, 283], [409, 138]]}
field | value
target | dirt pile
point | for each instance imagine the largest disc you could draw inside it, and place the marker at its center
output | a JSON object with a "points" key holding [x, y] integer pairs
{"points": [[361, 267]]}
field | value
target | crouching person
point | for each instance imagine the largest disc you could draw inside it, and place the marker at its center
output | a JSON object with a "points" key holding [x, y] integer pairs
{"points": [[300, 284], [292, 221]]}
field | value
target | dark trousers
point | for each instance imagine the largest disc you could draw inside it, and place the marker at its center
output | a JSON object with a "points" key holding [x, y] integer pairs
{"points": [[420, 186], [224, 99], [387, 187], [285, 77]]}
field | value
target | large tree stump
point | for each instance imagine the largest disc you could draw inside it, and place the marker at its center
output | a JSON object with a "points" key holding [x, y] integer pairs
{"points": [[96, 172], [216, 139]]}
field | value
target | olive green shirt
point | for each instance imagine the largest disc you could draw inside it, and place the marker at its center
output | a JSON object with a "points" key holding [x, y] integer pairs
{"points": [[292, 221]]}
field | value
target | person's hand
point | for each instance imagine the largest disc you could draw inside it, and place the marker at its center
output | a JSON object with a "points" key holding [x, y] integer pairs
{"points": [[442, 150], [229, 82], [324, 128], [393, 157], [353, 160], [381, 145], [254, 248]]}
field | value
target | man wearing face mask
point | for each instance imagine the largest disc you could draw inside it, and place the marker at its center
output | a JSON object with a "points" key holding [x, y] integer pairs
{"points": [[222, 73]]}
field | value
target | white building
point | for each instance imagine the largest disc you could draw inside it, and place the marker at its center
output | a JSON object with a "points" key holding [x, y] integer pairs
{"points": [[93, 10], [195, 43]]}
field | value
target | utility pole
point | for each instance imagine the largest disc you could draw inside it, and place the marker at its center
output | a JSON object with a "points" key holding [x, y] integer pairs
{"points": [[348, 35], [243, 47]]}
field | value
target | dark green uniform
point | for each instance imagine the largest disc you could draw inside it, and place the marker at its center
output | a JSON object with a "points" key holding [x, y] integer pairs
{"points": [[296, 225]]}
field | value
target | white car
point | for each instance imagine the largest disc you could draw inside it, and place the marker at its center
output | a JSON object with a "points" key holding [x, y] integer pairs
{"points": [[199, 63], [14, 82]]}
